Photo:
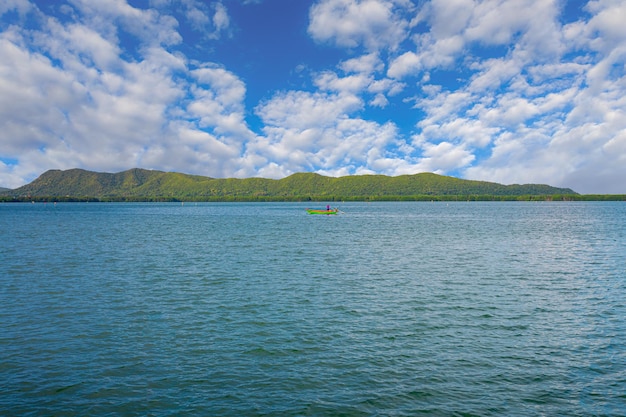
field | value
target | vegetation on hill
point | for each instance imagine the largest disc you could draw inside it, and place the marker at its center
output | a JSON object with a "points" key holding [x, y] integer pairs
{"points": [[145, 185]]}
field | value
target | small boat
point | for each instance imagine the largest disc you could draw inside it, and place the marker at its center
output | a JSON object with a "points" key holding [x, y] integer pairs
{"points": [[317, 211]]}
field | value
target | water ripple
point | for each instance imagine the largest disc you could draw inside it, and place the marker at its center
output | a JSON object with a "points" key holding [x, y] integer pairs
{"points": [[258, 309]]}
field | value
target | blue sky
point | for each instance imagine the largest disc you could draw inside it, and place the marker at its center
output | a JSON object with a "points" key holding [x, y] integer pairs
{"points": [[510, 91]]}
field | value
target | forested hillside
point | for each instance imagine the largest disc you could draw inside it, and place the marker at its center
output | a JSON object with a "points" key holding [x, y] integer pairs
{"points": [[145, 185]]}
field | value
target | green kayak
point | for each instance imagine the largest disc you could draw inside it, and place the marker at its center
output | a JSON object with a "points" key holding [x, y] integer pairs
{"points": [[315, 211]]}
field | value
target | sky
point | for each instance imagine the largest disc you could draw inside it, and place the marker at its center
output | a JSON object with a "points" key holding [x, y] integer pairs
{"points": [[508, 91]]}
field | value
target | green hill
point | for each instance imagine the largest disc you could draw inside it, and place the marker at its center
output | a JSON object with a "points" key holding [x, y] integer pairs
{"points": [[145, 185]]}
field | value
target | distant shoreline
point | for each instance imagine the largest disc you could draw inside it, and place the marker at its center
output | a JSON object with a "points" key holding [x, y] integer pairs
{"points": [[267, 199]]}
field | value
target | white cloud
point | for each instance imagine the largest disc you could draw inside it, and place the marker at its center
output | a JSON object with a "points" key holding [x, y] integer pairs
{"points": [[220, 105], [444, 156], [379, 101], [351, 23], [29, 84], [329, 81], [386, 85], [574, 138], [314, 132], [456, 25], [221, 20], [21, 6], [526, 104], [499, 21], [606, 27], [80, 46], [304, 110], [365, 64], [208, 18], [360, 79], [450, 17], [196, 13], [83, 105], [147, 25], [196, 150], [440, 105], [405, 64]]}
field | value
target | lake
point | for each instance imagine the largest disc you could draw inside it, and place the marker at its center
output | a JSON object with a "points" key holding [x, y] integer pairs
{"points": [[250, 309]]}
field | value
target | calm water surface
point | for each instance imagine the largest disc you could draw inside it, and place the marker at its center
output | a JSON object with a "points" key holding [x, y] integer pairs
{"points": [[402, 309]]}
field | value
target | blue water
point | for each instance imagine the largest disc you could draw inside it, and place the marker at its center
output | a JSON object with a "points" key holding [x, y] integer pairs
{"points": [[389, 309]]}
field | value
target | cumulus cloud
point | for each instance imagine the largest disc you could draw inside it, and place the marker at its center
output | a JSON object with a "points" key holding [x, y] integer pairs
{"points": [[374, 24], [405, 64], [315, 132], [361, 77], [73, 100], [365, 64], [606, 28], [525, 104], [444, 156], [20, 6], [218, 100], [108, 17]]}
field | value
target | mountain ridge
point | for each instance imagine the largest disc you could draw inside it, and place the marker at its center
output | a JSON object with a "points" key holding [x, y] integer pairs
{"points": [[139, 184]]}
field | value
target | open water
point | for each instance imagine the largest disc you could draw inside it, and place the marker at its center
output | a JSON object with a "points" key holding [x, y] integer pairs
{"points": [[390, 309]]}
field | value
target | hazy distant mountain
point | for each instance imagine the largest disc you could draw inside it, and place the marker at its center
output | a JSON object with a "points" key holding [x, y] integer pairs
{"points": [[140, 184]]}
